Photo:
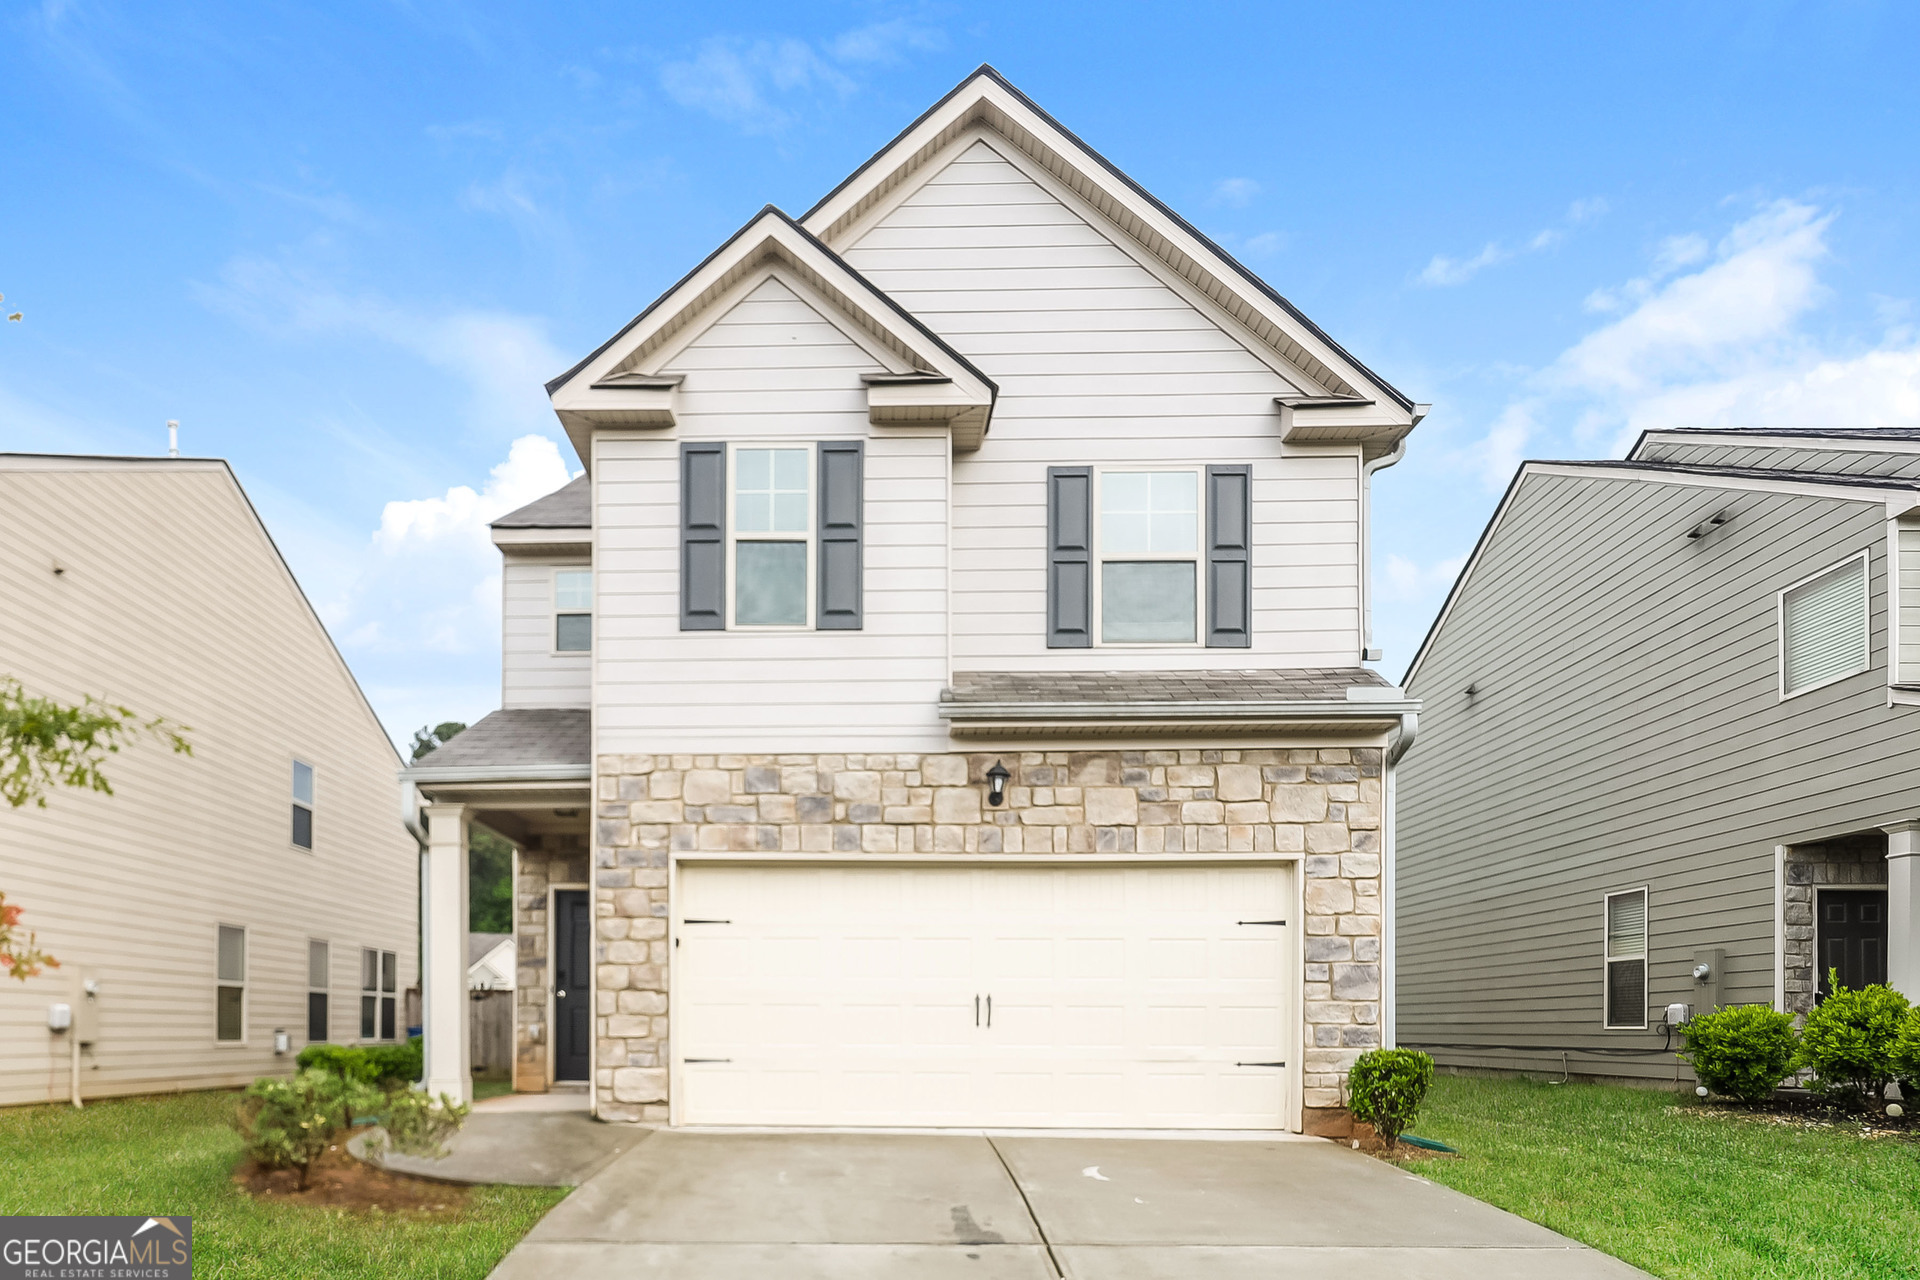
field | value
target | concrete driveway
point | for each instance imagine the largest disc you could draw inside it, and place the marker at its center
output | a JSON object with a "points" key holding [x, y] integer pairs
{"points": [[794, 1206]]}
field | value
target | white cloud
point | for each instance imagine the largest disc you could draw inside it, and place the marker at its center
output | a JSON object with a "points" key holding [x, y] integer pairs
{"points": [[1712, 336], [504, 358], [737, 81], [431, 580], [1236, 193], [763, 85], [1442, 271], [1413, 583]]}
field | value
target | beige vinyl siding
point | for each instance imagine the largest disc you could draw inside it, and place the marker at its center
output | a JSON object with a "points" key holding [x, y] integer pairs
{"points": [[1908, 541], [532, 674], [174, 603], [1101, 361], [1626, 729], [1903, 460], [770, 369]]}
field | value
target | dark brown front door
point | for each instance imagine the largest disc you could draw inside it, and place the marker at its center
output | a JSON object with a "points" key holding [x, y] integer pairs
{"points": [[572, 985], [1852, 936]]}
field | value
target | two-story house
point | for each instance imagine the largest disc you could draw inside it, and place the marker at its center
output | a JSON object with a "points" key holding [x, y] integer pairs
{"points": [[1672, 707], [941, 700], [215, 912]]}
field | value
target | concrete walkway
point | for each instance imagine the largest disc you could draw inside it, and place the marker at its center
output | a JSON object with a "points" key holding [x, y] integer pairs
{"points": [[532, 1139], [796, 1206]]}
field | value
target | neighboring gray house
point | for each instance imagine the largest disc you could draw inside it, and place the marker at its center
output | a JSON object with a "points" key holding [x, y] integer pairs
{"points": [[1671, 710], [941, 702]]}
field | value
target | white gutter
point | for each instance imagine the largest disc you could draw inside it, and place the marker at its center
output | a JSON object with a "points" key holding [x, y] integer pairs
{"points": [[1367, 652], [1215, 711], [500, 773]]}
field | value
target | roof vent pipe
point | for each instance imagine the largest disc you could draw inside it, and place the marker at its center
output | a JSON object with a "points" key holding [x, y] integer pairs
{"points": [[173, 437]]}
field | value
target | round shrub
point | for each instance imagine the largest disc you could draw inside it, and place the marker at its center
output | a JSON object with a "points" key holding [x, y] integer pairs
{"points": [[1742, 1051], [1849, 1040], [1386, 1087], [1906, 1056]]}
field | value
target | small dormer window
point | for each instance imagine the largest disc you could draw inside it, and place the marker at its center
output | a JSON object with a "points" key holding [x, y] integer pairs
{"points": [[573, 610]]}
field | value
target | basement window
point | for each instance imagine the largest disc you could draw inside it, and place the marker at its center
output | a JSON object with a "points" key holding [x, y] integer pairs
{"points": [[1626, 960]]}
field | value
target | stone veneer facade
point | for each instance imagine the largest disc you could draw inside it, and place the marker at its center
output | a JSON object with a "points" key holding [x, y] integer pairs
{"points": [[1322, 804], [1853, 862]]}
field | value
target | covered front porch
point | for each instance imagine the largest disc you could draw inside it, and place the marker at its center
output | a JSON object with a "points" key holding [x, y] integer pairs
{"points": [[1849, 905], [526, 776]]}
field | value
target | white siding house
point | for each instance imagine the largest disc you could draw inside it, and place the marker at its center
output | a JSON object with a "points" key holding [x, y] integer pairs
{"points": [[266, 883], [976, 728]]}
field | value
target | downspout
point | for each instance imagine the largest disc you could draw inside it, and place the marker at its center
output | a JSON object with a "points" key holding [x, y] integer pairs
{"points": [[410, 819], [1381, 463], [1397, 747]]}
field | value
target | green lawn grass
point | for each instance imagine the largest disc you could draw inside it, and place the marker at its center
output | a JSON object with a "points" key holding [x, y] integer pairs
{"points": [[1686, 1192], [176, 1155], [484, 1089]]}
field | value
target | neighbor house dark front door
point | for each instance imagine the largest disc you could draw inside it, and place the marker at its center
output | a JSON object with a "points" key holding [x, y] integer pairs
{"points": [[572, 984], [1852, 936]]}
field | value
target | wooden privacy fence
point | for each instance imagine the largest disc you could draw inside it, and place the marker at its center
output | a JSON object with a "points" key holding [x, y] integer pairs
{"points": [[491, 1033]]}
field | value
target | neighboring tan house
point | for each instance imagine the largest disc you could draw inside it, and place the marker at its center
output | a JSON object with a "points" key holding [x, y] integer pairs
{"points": [[1672, 709], [956, 642], [264, 884], [491, 965]]}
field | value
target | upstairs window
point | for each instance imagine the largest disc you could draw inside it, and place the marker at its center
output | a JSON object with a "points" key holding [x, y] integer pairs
{"points": [[230, 989], [573, 610], [302, 805], [1823, 628], [772, 536], [1148, 543], [1626, 960]]}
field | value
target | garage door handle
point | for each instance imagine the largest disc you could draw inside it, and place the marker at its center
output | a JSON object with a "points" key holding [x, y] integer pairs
{"points": [[976, 1011], [1259, 1064], [706, 922], [989, 1010], [1262, 922], [686, 1060]]}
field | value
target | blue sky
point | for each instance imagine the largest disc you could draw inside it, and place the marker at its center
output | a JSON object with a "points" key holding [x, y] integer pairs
{"points": [[345, 244]]}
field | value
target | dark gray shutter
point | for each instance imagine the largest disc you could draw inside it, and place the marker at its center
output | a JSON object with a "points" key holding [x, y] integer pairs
{"points": [[703, 537], [1069, 557], [842, 469], [1229, 557]]}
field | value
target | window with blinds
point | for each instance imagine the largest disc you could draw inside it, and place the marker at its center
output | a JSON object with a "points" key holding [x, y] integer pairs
{"points": [[1626, 959], [1823, 628]]}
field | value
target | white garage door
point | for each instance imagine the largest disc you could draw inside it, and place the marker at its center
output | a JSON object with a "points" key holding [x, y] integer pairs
{"points": [[1136, 997]]}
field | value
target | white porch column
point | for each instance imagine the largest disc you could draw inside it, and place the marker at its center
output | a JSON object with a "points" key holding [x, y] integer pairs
{"points": [[443, 988], [1903, 909]]}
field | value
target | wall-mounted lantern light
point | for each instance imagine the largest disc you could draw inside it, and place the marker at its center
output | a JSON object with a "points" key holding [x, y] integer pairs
{"points": [[997, 783]]}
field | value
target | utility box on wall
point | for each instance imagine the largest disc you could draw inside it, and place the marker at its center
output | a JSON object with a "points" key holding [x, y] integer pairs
{"points": [[86, 1008]]}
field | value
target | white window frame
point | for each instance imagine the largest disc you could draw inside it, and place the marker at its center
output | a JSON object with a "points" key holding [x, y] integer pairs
{"points": [[811, 537], [246, 965], [1866, 623], [1607, 957], [312, 806], [1198, 557], [325, 988], [553, 621]]}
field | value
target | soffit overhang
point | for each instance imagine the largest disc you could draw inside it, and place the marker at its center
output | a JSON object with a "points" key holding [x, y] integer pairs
{"points": [[926, 382]]}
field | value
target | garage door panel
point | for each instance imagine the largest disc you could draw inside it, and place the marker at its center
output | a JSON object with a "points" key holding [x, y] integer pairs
{"points": [[1121, 996]]}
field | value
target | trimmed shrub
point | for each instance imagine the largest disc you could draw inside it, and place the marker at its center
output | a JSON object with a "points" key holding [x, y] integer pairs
{"points": [[417, 1125], [1386, 1087], [287, 1123], [381, 1064], [1742, 1051], [1849, 1040], [1906, 1057]]}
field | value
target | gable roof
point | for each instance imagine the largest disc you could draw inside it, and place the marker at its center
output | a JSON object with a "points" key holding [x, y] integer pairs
{"points": [[618, 384], [1857, 488], [43, 462], [568, 507], [986, 98], [1877, 439]]}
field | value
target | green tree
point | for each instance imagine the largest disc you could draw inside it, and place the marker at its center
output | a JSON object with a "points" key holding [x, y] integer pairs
{"points": [[489, 882], [427, 739], [45, 744]]}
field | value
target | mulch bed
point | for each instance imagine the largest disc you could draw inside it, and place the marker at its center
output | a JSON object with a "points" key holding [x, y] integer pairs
{"points": [[1799, 1108], [338, 1180]]}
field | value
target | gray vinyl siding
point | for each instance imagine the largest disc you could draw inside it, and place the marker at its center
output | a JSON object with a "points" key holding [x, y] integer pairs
{"points": [[1626, 730], [1905, 462], [1909, 597]]}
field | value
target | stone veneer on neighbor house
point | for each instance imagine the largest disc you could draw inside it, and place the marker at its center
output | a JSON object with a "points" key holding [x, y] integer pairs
{"points": [[1322, 804]]}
